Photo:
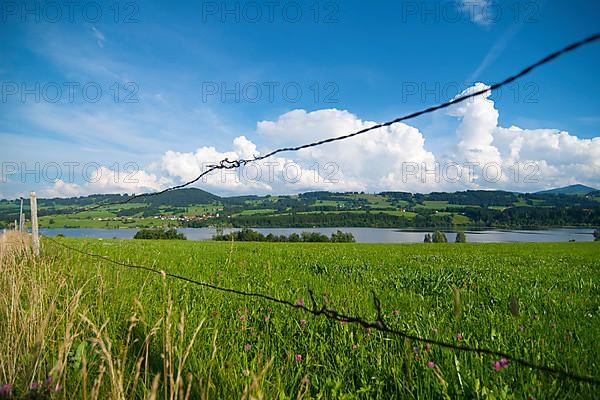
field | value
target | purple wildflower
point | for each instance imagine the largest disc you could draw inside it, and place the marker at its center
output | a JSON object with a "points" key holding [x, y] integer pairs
{"points": [[430, 364], [427, 347], [302, 323], [300, 302], [497, 366], [459, 337], [34, 386], [242, 318], [6, 390], [298, 358], [504, 362], [247, 347]]}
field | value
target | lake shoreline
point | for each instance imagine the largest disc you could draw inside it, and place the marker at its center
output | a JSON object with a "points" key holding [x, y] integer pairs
{"points": [[362, 235]]}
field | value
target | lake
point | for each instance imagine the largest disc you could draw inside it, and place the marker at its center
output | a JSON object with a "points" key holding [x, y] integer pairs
{"points": [[362, 235]]}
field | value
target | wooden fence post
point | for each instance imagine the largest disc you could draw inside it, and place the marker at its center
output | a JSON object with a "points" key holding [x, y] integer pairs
{"points": [[21, 218], [35, 239]]}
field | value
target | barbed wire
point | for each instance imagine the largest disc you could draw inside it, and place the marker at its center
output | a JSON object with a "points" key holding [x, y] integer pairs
{"points": [[334, 315], [316, 310], [234, 164]]}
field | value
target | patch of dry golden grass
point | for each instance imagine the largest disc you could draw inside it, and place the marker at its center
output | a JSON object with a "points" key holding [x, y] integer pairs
{"points": [[13, 243], [44, 326]]}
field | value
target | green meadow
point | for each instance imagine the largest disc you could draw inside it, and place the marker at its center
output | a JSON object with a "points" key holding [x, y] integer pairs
{"points": [[105, 331]]}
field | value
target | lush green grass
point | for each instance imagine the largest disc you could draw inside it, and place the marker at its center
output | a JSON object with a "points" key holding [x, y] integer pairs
{"points": [[328, 203], [374, 200], [60, 221], [437, 205], [258, 211], [407, 214], [557, 287], [203, 209], [458, 219]]}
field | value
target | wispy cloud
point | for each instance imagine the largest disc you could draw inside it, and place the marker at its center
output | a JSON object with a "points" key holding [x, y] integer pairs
{"points": [[100, 38], [495, 52]]}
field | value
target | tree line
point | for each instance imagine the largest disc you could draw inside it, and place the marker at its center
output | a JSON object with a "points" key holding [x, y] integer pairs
{"points": [[344, 219], [160, 234], [249, 235], [440, 237]]}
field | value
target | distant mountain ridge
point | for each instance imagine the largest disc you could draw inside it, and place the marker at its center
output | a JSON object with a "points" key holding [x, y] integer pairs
{"points": [[577, 189], [185, 196]]}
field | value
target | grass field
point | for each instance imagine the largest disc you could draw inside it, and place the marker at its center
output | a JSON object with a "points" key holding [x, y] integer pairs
{"points": [[102, 331]]}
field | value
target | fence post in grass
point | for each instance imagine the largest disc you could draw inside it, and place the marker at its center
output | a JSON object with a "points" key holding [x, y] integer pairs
{"points": [[35, 239], [21, 218]]}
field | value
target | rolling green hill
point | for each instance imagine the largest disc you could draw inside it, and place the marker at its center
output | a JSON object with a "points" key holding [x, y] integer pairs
{"points": [[198, 208], [571, 189]]}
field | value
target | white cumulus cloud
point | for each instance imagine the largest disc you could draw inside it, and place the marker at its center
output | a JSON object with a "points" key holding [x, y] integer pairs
{"points": [[543, 157], [105, 180], [390, 158]]}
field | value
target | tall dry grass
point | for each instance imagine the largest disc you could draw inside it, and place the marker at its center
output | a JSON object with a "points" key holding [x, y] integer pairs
{"points": [[25, 309], [13, 242], [49, 338]]}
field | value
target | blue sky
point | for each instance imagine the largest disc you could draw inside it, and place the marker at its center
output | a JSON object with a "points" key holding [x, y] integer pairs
{"points": [[376, 60]]}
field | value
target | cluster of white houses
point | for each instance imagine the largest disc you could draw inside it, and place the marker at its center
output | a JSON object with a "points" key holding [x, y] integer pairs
{"points": [[203, 217]]}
